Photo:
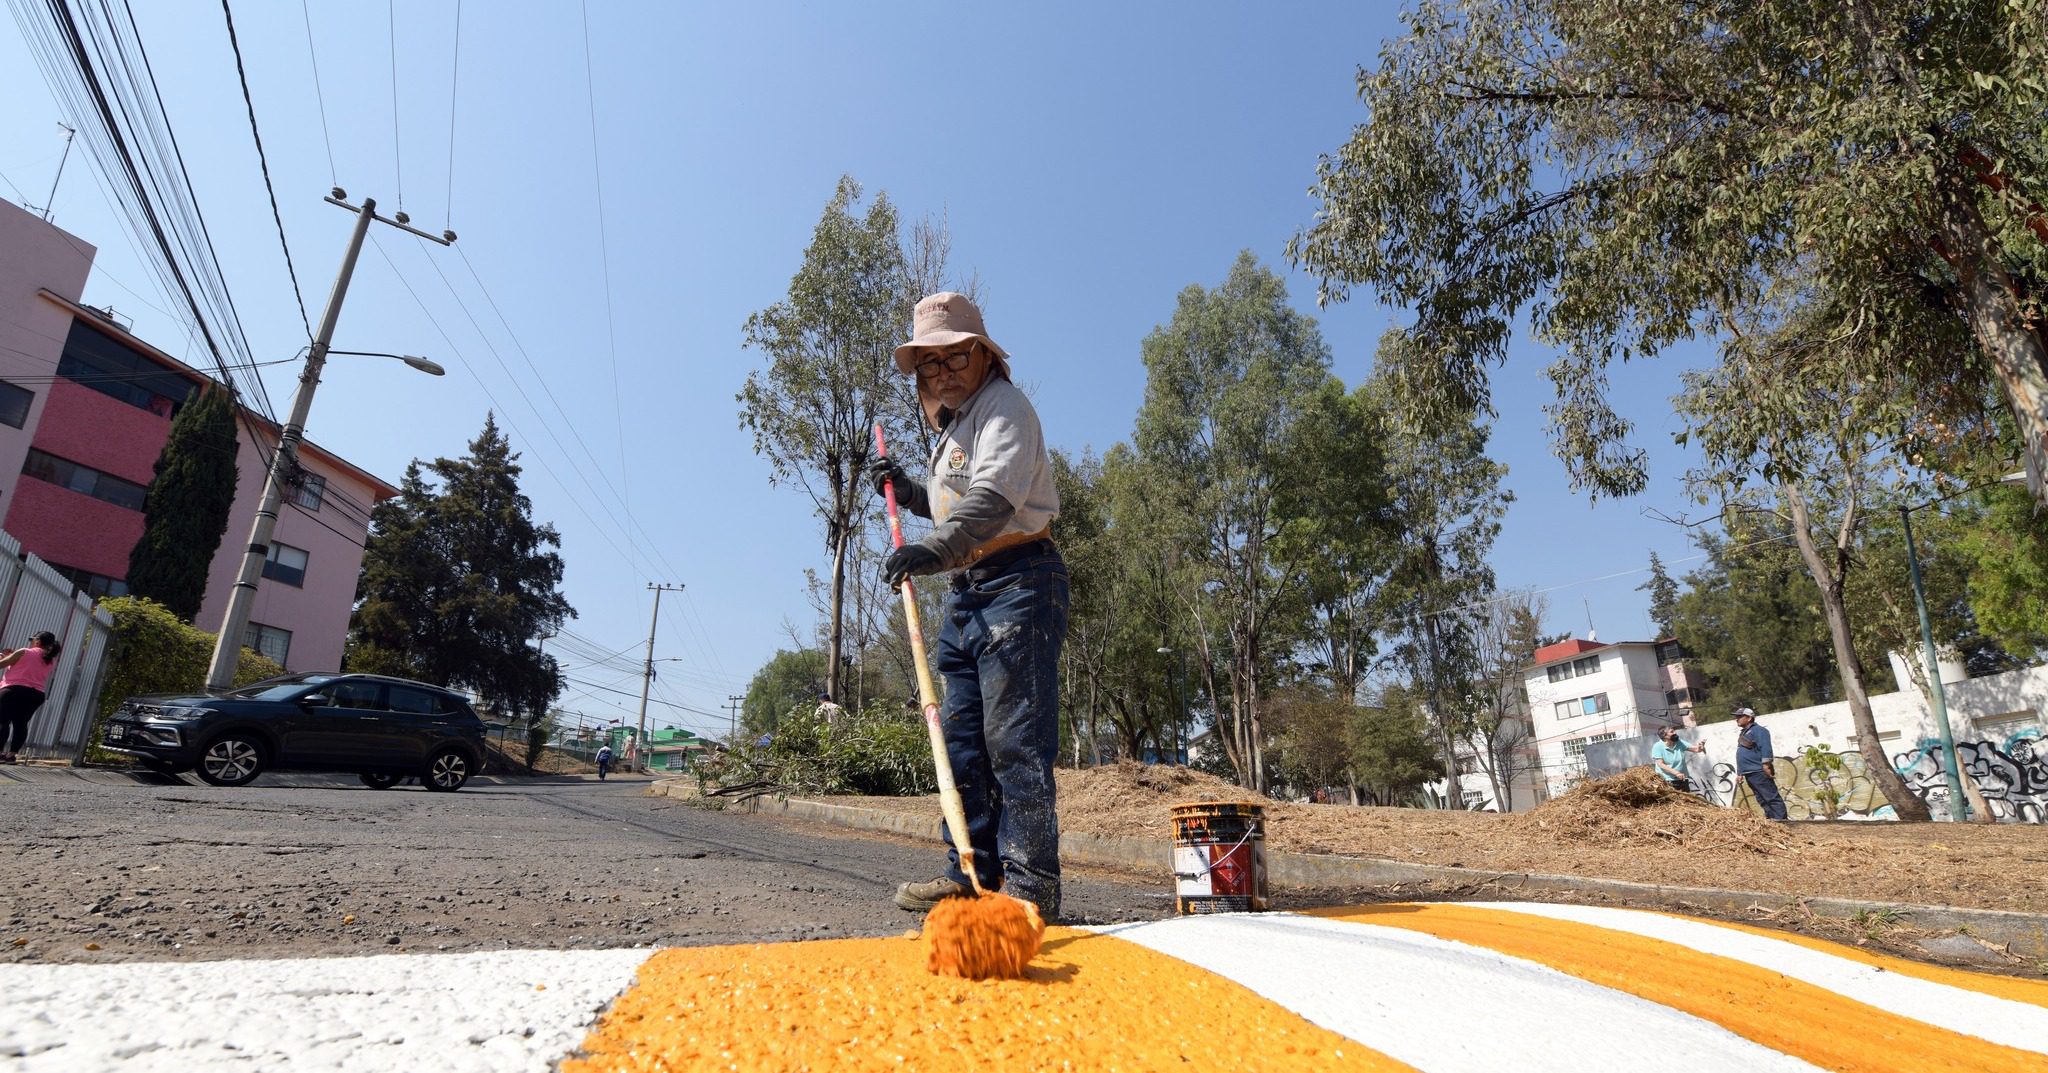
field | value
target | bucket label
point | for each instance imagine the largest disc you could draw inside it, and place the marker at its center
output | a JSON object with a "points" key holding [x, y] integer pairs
{"points": [[1219, 859]]}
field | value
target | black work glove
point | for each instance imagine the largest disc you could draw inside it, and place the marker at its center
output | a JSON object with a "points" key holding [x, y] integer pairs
{"points": [[910, 560], [909, 493]]}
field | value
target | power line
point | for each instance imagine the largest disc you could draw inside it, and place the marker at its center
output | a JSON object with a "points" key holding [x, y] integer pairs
{"points": [[454, 83], [397, 153], [264, 162], [605, 262], [313, 58]]}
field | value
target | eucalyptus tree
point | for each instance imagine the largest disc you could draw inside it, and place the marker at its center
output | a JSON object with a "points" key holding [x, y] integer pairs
{"points": [[1620, 172], [1234, 382], [1790, 428], [1447, 494], [830, 377]]}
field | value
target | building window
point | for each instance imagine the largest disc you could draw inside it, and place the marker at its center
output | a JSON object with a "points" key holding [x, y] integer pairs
{"points": [[268, 641], [1575, 751], [287, 564], [1594, 705], [1577, 668], [14, 404], [1685, 695], [92, 359], [91, 584], [1473, 799], [1669, 653], [311, 492], [44, 466]]}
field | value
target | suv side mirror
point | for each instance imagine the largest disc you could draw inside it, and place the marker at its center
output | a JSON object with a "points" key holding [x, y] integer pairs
{"points": [[316, 700]]}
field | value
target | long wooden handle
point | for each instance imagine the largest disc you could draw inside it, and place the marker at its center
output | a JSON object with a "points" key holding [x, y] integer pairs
{"points": [[949, 793]]}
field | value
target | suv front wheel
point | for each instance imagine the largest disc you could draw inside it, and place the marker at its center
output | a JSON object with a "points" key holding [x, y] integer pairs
{"points": [[447, 770], [233, 759]]}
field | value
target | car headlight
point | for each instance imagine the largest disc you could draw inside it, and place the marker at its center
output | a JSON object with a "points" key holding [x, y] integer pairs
{"points": [[185, 712]]}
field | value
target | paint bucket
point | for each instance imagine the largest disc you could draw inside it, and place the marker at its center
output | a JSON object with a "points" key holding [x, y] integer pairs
{"points": [[1219, 857]]}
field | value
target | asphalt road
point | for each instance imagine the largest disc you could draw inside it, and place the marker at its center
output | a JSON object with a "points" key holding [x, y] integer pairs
{"points": [[108, 867]]}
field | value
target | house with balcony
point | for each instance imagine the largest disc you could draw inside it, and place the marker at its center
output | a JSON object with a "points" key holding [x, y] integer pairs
{"points": [[85, 410], [1585, 691]]}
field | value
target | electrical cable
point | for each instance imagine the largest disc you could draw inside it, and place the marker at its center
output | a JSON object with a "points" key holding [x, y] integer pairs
{"points": [[454, 83], [264, 162], [313, 59], [605, 262], [397, 153]]}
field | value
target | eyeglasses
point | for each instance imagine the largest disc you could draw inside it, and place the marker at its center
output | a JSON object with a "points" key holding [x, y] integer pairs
{"points": [[953, 362]]}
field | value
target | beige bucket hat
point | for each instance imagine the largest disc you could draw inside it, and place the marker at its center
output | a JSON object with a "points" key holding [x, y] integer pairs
{"points": [[942, 320]]}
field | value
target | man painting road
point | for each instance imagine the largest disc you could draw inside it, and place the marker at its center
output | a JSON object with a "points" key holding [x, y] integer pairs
{"points": [[1753, 763], [992, 502]]}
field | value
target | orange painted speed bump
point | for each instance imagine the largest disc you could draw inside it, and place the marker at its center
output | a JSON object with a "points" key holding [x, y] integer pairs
{"points": [[1787, 1015], [1088, 1002]]}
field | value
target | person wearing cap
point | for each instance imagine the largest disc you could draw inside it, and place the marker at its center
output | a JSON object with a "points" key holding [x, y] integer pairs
{"points": [[991, 500], [1753, 763], [1669, 757]]}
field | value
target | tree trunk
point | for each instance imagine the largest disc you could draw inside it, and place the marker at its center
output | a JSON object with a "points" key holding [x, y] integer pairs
{"points": [[1453, 791], [1908, 805], [2015, 350], [837, 635]]}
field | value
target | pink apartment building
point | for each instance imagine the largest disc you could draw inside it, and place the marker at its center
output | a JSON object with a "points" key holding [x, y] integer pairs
{"points": [[85, 408]]}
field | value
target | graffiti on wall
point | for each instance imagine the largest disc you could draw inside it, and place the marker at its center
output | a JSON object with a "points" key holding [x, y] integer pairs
{"points": [[2012, 775]]}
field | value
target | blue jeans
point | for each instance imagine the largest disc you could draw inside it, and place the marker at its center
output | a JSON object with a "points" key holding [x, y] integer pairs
{"points": [[999, 650], [1766, 790]]}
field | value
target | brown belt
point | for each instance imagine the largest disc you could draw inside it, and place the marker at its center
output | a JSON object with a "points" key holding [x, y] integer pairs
{"points": [[1004, 542]]}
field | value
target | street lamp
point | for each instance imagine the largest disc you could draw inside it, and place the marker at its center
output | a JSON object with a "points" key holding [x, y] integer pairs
{"points": [[431, 368], [1959, 806]]}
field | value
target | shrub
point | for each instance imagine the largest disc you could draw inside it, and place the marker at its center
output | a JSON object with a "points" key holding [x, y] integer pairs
{"points": [[881, 751]]}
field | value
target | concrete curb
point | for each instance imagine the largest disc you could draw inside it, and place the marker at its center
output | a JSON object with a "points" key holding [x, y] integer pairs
{"points": [[2024, 934]]}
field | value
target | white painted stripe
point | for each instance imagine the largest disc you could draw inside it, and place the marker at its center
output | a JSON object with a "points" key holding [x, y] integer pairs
{"points": [[1446, 1006], [1987, 1017], [488, 1012]]}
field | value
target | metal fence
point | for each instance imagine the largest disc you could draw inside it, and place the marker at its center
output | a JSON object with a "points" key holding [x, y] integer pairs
{"points": [[34, 597]]}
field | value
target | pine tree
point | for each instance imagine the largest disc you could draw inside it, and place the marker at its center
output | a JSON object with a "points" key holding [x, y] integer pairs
{"points": [[457, 581], [1663, 596], [186, 510]]}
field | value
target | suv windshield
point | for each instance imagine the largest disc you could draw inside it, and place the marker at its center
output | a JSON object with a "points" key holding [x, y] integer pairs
{"points": [[280, 688]]}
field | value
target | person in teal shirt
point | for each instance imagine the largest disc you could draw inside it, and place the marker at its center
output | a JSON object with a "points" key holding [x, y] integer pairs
{"points": [[1669, 757]]}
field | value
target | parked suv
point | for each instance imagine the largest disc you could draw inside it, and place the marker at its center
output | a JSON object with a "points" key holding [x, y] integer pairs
{"points": [[383, 729]]}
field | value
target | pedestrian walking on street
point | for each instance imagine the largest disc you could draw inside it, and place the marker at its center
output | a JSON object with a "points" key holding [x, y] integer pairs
{"points": [[23, 688], [1669, 757], [604, 761], [990, 496], [1753, 763]]}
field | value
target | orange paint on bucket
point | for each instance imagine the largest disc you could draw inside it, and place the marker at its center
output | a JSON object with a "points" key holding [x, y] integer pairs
{"points": [[1219, 857]]}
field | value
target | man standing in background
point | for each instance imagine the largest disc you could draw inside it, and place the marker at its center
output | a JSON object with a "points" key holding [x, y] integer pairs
{"points": [[1753, 763]]}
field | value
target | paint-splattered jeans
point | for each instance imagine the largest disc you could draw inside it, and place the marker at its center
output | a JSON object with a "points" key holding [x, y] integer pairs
{"points": [[999, 648]]}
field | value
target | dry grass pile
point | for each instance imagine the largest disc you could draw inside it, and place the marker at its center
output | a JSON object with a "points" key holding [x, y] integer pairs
{"points": [[1132, 798], [1637, 808]]}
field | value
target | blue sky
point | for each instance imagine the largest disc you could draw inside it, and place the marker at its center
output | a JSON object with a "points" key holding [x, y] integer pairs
{"points": [[1090, 160]]}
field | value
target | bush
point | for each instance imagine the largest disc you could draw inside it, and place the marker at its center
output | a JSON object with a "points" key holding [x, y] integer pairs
{"points": [[153, 651], [881, 751]]}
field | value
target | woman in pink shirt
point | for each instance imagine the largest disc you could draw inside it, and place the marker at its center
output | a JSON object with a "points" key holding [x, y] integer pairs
{"points": [[22, 689]]}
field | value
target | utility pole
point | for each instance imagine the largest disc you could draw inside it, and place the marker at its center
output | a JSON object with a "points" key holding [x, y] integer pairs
{"points": [[227, 648], [647, 675], [732, 705]]}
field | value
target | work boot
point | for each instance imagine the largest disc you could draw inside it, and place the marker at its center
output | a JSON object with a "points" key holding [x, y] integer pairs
{"points": [[919, 897]]}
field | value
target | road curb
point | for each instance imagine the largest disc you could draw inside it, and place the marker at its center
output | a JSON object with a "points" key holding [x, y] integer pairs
{"points": [[2024, 934]]}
